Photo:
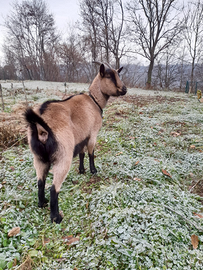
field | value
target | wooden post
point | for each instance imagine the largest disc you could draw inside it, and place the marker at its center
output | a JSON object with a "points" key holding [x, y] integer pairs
{"points": [[25, 93], [65, 91], [65, 87], [11, 93], [2, 100]]}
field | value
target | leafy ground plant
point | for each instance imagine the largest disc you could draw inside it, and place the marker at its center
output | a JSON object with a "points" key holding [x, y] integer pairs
{"points": [[143, 210]]}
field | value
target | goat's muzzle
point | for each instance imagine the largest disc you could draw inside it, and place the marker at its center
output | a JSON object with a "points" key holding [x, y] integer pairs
{"points": [[123, 91]]}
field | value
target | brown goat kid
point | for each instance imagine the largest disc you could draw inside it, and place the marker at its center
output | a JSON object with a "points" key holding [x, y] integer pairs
{"points": [[59, 130]]}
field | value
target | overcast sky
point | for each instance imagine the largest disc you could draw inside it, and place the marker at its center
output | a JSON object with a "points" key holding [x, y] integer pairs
{"points": [[64, 11]]}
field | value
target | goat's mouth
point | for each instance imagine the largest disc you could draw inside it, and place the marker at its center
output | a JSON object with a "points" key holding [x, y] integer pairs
{"points": [[122, 92]]}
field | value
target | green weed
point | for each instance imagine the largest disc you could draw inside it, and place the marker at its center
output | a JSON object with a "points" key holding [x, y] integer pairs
{"points": [[137, 213]]}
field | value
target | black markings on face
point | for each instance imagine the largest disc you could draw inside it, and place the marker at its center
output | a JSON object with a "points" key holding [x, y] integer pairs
{"points": [[110, 74]]}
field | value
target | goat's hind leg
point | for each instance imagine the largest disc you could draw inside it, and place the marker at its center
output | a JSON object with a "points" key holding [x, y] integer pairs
{"points": [[60, 171], [42, 170]]}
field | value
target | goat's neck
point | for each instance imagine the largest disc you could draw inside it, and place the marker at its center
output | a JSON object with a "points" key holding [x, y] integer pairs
{"points": [[95, 91]]}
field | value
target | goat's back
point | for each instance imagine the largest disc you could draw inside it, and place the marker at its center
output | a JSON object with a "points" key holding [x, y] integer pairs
{"points": [[77, 117]]}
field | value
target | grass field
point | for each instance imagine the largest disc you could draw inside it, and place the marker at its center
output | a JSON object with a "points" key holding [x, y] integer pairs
{"points": [[143, 209]]}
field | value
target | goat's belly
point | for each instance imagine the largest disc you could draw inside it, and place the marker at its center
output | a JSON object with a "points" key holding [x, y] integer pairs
{"points": [[80, 146]]}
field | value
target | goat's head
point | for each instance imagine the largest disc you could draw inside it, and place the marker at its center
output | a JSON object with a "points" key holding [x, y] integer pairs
{"points": [[110, 83]]}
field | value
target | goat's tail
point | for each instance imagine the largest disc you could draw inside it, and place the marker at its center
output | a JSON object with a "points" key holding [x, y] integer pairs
{"points": [[42, 141]]}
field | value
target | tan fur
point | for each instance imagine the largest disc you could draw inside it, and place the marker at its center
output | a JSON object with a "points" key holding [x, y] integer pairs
{"points": [[42, 134], [40, 167], [72, 121]]}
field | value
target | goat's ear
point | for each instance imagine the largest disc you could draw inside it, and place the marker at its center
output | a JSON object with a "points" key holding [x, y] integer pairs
{"points": [[119, 70], [102, 70]]}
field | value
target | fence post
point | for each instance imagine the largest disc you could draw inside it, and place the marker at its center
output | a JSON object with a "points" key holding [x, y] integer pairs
{"points": [[187, 87], [11, 92], [2, 99], [196, 88], [25, 93]]}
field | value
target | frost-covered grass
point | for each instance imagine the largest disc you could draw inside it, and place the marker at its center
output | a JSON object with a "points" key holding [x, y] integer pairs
{"points": [[36, 92], [132, 215]]}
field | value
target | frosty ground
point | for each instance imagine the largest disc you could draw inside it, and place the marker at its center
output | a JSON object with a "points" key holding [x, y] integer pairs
{"points": [[79, 87], [143, 210]]}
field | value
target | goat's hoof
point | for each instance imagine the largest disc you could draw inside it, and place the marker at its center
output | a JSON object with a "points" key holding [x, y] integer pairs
{"points": [[43, 204], [81, 171], [57, 218], [93, 171]]}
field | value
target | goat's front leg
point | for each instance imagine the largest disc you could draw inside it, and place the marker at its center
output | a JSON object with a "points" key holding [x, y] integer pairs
{"points": [[41, 171], [91, 162], [90, 148], [81, 166]]}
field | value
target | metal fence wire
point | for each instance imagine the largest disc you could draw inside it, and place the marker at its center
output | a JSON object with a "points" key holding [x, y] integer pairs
{"points": [[197, 86]]}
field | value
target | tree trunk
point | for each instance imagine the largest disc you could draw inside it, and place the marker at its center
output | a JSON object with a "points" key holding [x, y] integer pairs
{"points": [[192, 75], [149, 74], [181, 74], [117, 62], [107, 52]]}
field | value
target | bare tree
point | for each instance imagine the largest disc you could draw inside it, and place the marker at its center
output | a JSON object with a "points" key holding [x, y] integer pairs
{"points": [[103, 26], [153, 28], [117, 32], [9, 71], [193, 35], [90, 26], [166, 70], [31, 38], [71, 56], [104, 10], [182, 68]]}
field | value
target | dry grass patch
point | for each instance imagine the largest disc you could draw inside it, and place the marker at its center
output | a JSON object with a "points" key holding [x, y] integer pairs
{"points": [[12, 127], [11, 135]]}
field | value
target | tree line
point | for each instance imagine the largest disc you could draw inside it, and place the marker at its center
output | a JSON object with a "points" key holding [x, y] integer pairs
{"points": [[159, 42]]}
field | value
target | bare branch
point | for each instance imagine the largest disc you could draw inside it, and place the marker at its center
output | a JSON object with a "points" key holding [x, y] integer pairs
{"points": [[153, 28]]}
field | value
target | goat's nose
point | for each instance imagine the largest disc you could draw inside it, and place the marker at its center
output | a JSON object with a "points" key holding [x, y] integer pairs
{"points": [[124, 90]]}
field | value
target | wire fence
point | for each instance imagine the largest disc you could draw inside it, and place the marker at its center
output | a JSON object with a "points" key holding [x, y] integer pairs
{"points": [[196, 86]]}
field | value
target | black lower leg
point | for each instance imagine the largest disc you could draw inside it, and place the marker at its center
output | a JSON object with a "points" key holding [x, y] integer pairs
{"points": [[91, 161], [42, 201], [55, 216], [81, 166]]}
